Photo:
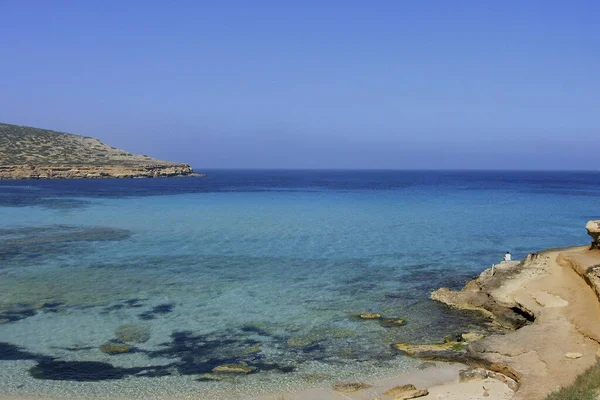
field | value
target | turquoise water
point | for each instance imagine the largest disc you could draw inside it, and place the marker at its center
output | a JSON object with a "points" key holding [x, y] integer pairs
{"points": [[266, 268]]}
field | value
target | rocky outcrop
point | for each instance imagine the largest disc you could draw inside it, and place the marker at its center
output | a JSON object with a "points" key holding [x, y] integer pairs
{"points": [[93, 171], [485, 294], [593, 229], [542, 297]]}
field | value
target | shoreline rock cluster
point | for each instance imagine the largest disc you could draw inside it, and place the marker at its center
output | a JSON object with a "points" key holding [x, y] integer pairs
{"points": [[549, 306]]}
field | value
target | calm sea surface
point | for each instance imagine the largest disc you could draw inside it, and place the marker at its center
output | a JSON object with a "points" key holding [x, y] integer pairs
{"points": [[263, 268]]}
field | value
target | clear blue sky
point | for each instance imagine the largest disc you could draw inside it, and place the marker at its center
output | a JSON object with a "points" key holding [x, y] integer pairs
{"points": [[312, 84]]}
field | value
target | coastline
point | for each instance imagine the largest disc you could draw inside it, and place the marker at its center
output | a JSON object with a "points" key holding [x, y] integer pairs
{"points": [[548, 304], [18, 172]]}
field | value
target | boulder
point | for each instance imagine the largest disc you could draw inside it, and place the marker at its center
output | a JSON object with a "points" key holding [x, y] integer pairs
{"points": [[133, 333], [593, 229], [405, 392]]}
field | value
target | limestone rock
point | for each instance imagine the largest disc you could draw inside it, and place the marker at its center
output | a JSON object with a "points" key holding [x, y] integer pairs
{"points": [[593, 229], [349, 386], [405, 392], [471, 336], [115, 348], [133, 333], [370, 316], [234, 369], [573, 355], [472, 374]]}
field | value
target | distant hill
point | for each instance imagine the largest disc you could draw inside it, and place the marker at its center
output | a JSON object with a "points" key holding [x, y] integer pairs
{"points": [[27, 152]]}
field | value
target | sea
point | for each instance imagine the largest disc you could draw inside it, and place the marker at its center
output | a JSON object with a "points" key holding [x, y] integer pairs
{"points": [[139, 288]]}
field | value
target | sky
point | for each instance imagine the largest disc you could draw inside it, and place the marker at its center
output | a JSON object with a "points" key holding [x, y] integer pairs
{"points": [[312, 84]]}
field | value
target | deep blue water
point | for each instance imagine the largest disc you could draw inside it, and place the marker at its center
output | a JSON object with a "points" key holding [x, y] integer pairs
{"points": [[269, 268]]}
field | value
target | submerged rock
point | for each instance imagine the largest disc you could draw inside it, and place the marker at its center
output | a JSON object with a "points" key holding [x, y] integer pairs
{"points": [[405, 392], [349, 386], [369, 316], [209, 377], [234, 369], [115, 348], [133, 333], [300, 342], [392, 322]]}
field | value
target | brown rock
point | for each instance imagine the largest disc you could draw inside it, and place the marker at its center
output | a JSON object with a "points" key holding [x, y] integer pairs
{"points": [[472, 374], [115, 348], [405, 392]]}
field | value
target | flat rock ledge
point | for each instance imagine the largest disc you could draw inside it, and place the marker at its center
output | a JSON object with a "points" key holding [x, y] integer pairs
{"points": [[548, 307], [94, 172]]}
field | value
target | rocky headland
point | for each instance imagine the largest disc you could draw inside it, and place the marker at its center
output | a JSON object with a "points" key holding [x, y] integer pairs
{"points": [[32, 153]]}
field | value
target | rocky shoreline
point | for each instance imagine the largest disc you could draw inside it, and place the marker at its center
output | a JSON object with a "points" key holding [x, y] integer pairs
{"points": [[14, 172], [549, 303]]}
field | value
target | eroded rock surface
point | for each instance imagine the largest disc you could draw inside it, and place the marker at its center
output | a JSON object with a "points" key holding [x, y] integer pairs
{"points": [[552, 311], [593, 229]]}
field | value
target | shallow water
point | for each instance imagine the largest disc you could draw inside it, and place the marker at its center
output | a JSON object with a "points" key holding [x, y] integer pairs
{"points": [[267, 268]]}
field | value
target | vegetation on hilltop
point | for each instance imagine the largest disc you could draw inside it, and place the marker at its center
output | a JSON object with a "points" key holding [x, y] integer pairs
{"points": [[22, 145]]}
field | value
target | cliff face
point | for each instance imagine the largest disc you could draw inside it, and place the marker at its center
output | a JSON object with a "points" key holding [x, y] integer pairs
{"points": [[90, 171], [32, 153]]}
